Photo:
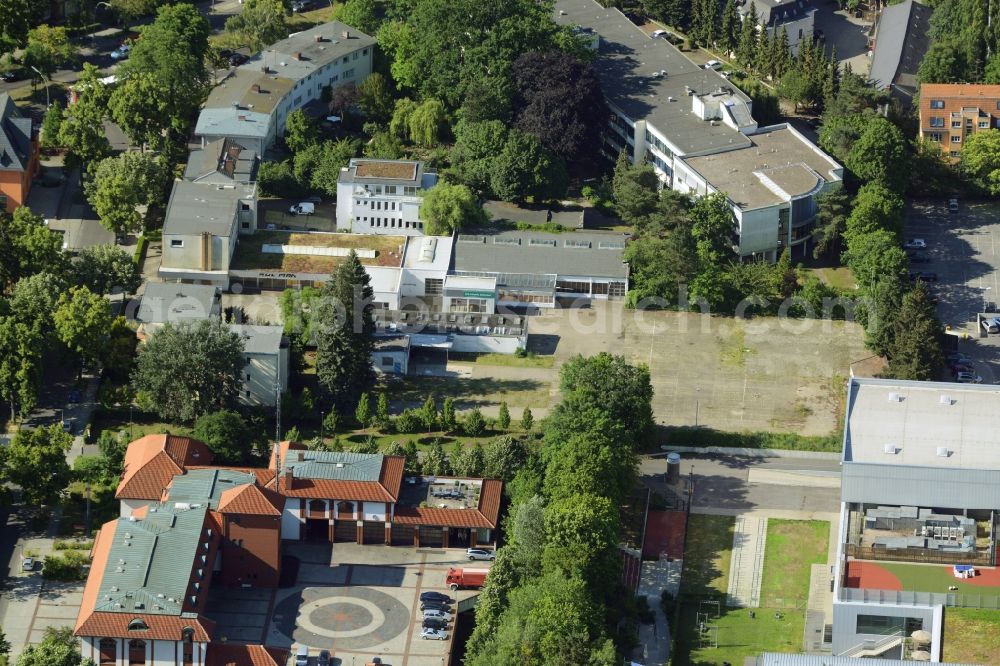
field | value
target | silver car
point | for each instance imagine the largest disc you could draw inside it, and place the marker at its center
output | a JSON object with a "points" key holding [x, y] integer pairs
{"points": [[434, 635], [480, 554]]}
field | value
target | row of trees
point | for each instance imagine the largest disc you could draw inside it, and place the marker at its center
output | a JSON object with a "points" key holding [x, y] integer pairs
{"points": [[554, 586]]}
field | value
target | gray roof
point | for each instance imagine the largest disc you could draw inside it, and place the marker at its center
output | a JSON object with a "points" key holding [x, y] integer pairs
{"points": [[222, 160], [590, 254], [198, 207], [781, 659], [315, 47], [230, 121], [151, 561], [382, 172], [778, 12], [15, 136], [628, 65], [391, 342], [259, 339], [334, 466], [900, 44], [205, 485], [164, 302]]}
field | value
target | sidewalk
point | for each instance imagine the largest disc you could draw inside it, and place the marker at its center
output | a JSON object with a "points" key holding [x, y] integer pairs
{"points": [[749, 539], [654, 639]]}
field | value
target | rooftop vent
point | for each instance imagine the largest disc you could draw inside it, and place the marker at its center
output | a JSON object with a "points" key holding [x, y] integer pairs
{"points": [[895, 397], [256, 87], [139, 605], [346, 34], [943, 452], [297, 55], [890, 449], [946, 400], [340, 464]]}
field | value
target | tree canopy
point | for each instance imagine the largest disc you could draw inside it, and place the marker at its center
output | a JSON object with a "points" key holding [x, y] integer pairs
{"points": [[448, 208], [227, 435], [261, 22], [106, 269], [121, 185], [35, 460], [981, 160]]}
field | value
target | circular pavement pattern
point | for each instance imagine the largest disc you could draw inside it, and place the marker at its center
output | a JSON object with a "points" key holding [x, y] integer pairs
{"points": [[352, 617]]}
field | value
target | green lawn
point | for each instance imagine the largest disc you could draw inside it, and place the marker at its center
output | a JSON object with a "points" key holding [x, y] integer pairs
{"points": [[971, 636], [738, 635], [793, 546], [839, 278], [937, 578], [507, 360], [707, 555], [142, 425], [470, 392]]}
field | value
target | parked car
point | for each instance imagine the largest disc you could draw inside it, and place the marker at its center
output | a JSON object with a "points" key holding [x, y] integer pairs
{"points": [[28, 564], [435, 596], [434, 623], [121, 52], [915, 244], [961, 367], [958, 357], [439, 614], [10, 76], [433, 635], [434, 605], [324, 658], [656, 34], [918, 258], [481, 554], [713, 64], [302, 656], [968, 378], [304, 208], [924, 276], [990, 326], [237, 59], [953, 205]]}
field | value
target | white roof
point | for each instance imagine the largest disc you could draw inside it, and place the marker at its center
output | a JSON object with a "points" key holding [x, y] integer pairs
{"points": [[923, 424], [431, 253], [470, 282], [385, 279]]}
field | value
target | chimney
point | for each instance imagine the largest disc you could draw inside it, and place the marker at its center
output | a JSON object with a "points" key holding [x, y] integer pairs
{"points": [[241, 117], [300, 455], [256, 87], [288, 478], [346, 34], [318, 38], [297, 55], [264, 69]]}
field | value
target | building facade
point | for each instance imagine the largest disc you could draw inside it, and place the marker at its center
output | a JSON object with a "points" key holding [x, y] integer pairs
{"points": [[795, 17], [18, 155], [382, 196], [265, 370], [952, 112], [675, 115]]}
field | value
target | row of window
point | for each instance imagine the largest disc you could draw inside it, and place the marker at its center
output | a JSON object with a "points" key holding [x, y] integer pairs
{"points": [[936, 136], [137, 652], [378, 205], [939, 104], [391, 223], [938, 121]]}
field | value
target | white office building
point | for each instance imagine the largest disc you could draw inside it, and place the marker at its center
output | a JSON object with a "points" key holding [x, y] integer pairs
{"points": [[382, 197]]}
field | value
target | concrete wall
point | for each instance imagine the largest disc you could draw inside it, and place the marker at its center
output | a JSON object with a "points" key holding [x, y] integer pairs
{"points": [[845, 618], [396, 214], [758, 231], [291, 521], [128, 506]]}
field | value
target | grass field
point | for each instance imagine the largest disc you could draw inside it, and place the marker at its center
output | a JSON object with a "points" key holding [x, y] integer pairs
{"points": [[707, 555], [938, 578], [470, 392], [971, 636], [840, 278], [738, 635], [504, 360], [793, 546]]}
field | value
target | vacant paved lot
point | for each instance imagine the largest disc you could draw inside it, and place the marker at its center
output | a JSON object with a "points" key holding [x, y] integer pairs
{"points": [[760, 374], [964, 252]]}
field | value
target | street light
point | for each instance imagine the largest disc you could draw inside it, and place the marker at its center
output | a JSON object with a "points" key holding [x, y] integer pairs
{"points": [[48, 104]]}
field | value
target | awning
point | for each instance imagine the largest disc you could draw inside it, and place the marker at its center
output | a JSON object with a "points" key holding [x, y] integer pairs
{"points": [[430, 341]]}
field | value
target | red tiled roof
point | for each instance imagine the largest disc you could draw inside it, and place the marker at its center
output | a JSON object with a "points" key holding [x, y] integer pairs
{"points": [[359, 491], [391, 476], [152, 461], [485, 515], [251, 500], [160, 627], [282, 449], [225, 654], [99, 560]]}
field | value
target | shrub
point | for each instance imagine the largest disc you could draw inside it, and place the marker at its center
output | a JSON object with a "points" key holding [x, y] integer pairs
{"points": [[409, 422], [67, 567], [474, 424]]}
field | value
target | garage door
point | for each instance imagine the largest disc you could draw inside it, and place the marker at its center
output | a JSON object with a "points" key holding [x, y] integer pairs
{"points": [[402, 535], [430, 537], [345, 530], [374, 532]]}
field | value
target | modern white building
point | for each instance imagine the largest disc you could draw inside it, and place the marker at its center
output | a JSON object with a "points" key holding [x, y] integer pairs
{"points": [[252, 103], [382, 196], [795, 17], [920, 489], [673, 114]]}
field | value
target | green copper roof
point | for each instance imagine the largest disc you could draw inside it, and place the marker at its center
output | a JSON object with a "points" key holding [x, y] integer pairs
{"points": [[205, 485], [150, 562], [334, 466]]}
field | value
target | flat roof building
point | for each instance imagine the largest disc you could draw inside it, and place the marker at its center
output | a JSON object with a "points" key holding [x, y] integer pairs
{"points": [[382, 196]]}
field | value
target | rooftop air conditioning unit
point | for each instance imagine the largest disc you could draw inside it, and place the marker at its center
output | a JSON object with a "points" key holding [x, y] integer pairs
{"points": [[891, 449], [943, 452], [895, 397], [946, 400]]}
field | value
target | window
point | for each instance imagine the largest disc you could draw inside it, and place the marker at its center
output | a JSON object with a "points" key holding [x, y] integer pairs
{"points": [[188, 648], [345, 59], [410, 191], [136, 652], [109, 652], [433, 286], [956, 138], [349, 74], [354, 56], [953, 153], [244, 225], [137, 624], [800, 33], [956, 123], [937, 121], [176, 242], [248, 376], [390, 189], [934, 136], [983, 124], [937, 103], [386, 361]]}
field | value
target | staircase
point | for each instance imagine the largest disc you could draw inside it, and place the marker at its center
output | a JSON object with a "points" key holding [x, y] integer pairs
{"points": [[873, 648]]}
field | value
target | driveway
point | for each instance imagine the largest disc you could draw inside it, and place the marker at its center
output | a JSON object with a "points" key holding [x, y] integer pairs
{"points": [[846, 34]]}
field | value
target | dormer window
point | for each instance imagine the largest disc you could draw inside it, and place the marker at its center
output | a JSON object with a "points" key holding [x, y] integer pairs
{"points": [[138, 624]]}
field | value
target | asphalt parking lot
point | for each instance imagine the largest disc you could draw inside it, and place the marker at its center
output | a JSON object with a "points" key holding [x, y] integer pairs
{"points": [[964, 252], [359, 602]]}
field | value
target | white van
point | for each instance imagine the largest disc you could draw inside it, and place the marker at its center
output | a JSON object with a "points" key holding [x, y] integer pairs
{"points": [[303, 208], [302, 656]]}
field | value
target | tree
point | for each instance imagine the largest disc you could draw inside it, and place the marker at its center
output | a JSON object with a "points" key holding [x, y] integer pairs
{"points": [[300, 131], [16, 18], [58, 648], [51, 124], [382, 411], [981, 159], [332, 421], [832, 208], [712, 227], [360, 14], [119, 351], [27, 246], [4, 644], [48, 48], [796, 87], [558, 99], [227, 435], [879, 154], [447, 209], [635, 189], [659, 267], [448, 420], [345, 344], [474, 424], [581, 536], [189, 369], [105, 269], [35, 460], [729, 35], [746, 48], [503, 418], [435, 461], [527, 420], [525, 169], [121, 185], [399, 125], [261, 22], [343, 98], [876, 207], [426, 123], [82, 130], [943, 63], [875, 255], [82, 322], [504, 456], [140, 107], [130, 10], [21, 350], [429, 414], [34, 298], [376, 97], [277, 179], [916, 353], [476, 145], [317, 166], [363, 412]]}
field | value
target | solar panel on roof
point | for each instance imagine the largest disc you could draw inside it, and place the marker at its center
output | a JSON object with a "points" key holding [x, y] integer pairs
{"points": [[578, 244]]}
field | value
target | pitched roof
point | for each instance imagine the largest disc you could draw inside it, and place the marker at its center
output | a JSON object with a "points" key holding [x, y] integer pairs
{"points": [[223, 159], [900, 44], [970, 94], [15, 136], [484, 516], [159, 627], [152, 461], [251, 500], [227, 654], [204, 486]]}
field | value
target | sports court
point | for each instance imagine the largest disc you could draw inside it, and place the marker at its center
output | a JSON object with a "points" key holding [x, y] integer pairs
{"points": [[923, 578]]}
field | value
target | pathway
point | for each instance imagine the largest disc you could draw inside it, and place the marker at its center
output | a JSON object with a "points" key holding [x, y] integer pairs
{"points": [[654, 638], [749, 538]]}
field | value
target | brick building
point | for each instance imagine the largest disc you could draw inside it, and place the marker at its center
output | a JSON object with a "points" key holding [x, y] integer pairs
{"points": [[18, 155], [952, 112]]}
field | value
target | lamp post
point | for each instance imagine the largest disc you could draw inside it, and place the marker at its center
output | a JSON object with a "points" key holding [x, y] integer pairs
{"points": [[322, 419], [48, 103], [985, 289]]}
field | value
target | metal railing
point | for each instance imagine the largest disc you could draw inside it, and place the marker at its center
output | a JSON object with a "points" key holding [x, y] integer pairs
{"points": [[873, 648]]}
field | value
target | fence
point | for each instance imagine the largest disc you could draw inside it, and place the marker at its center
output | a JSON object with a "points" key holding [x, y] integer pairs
{"points": [[922, 556], [900, 598]]}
